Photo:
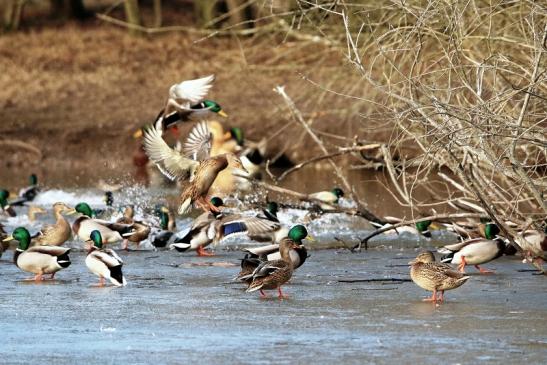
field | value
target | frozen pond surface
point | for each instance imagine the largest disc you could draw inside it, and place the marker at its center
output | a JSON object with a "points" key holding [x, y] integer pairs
{"points": [[171, 314]]}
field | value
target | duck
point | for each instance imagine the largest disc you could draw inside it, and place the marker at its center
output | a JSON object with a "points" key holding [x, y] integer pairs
{"points": [[58, 233], [104, 262], [213, 227], [33, 211], [476, 251], [84, 225], [330, 197], [4, 244], [420, 228], [187, 98], [140, 230], [225, 142], [31, 191], [270, 213], [435, 277], [165, 235], [39, 260], [200, 175], [255, 256], [186, 102], [270, 275], [534, 244], [5, 206]]}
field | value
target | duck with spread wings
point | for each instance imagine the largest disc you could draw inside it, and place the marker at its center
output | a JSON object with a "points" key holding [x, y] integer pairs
{"points": [[194, 165]]}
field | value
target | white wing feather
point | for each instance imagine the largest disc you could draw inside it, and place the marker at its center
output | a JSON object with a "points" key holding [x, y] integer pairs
{"points": [[198, 143], [191, 91], [170, 162]]}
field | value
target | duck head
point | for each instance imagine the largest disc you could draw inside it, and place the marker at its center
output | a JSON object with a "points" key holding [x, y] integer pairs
{"points": [[298, 233], [423, 257], [213, 106], [97, 239], [21, 235]]}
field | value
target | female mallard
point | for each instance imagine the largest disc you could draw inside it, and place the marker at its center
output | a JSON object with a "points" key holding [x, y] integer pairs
{"points": [[4, 244], [271, 275], [213, 227], [140, 231], [200, 175], [84, 225], [534, 244], [433, 276], [104, 262], [33, 211], [330, 197], [298, 254], [58, 233], [476, 251], [39, 260]]}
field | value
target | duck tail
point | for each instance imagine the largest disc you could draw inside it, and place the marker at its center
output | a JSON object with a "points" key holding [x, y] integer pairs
{"points": [[116, 276], [445, 251], [180, 247], [185, 205], [63, 260], [254, 286], [448, 257]]}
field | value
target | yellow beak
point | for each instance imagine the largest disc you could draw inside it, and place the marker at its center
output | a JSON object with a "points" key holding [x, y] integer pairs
{"points": [[72, 211], [8, 238], [222, 113], [310, 238], [138, 133]]}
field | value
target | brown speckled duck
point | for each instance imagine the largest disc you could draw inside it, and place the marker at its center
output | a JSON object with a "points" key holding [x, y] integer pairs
{"points": [[58, 233], [434, 276], [195, 165], [139, 229], [271, 275]]}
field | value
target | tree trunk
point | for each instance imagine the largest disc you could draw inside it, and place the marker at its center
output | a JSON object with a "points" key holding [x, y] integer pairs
{"points": [[157, 13], [132, 14], [204, 11]]}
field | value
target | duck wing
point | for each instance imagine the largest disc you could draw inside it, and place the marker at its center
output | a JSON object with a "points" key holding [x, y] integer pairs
{"points": [[235, 224], [198, 143], [170, 162], [191, 91]]}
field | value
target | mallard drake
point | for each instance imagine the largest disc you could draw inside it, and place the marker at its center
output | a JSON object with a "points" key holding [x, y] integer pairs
{"points": [[175, 165], [166, 234], [256, 255], [140, 231], [186, 102], [5, 207], [434, 277], [420, 228], [58, 233], [270, 213], [104, 262], [84, 225], [271, 275], [39, 260], [213, 227], [30, 192], [476, 251], [330, 197]]}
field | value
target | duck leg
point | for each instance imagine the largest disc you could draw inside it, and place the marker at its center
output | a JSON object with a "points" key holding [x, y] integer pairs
{"points": [[101, 283], [441, 297], [433, 297], [484, 271], [202, 252], [461, 266], [262, 294], [281, 295], [202, 204], [125, 244], [52, 275], [37, 277]]}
